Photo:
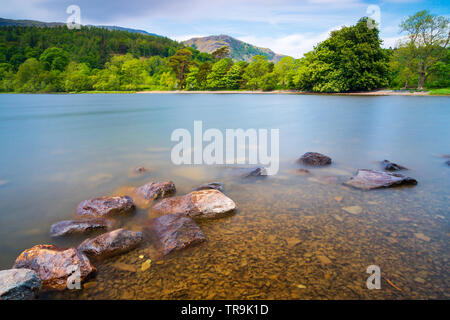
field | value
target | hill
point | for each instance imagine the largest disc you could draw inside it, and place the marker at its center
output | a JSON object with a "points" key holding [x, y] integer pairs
{"points": [[239, 50], [40, 24]]}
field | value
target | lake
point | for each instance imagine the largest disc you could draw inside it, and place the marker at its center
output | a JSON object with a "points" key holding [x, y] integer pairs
{"points": [[290, 237]]}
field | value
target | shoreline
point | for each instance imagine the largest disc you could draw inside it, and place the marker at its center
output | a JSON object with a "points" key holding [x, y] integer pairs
{"points": [[362, 93]]}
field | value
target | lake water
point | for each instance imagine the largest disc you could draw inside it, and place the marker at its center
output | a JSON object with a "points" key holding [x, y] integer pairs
{"points": [[290, 238]]}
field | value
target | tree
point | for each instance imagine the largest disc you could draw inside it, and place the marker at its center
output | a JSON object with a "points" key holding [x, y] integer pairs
{"points": [[54, 59], [221, 53], [217, 77], [233, 77], [351, 59], [428, 37], [256, 70], [180, 63]]}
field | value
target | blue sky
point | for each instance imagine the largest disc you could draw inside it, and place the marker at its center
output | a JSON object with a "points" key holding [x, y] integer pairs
{"points": [[285, 26]]}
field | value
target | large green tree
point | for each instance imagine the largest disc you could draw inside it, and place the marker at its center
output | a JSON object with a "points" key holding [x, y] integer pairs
{"points": [[427, 39], [351, 59]]}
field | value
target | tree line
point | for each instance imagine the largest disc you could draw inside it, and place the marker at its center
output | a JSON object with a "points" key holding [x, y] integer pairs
{"points": [[56, 59]]}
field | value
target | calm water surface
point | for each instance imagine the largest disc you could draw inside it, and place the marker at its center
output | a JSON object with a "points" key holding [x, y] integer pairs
{"points": [[290, 238]]}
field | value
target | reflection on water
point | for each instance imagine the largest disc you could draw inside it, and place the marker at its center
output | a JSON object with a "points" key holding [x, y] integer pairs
{"points": [[295, 236]]}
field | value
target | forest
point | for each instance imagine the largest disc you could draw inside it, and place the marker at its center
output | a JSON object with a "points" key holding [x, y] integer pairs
{"points": [[34, 59]]}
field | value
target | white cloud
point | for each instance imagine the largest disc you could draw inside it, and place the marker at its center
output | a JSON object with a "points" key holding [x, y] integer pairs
{"points": [[294, 45]]}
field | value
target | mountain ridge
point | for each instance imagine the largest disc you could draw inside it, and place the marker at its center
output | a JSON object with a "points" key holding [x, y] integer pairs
{"points": [[239, 50], [35, 23]]}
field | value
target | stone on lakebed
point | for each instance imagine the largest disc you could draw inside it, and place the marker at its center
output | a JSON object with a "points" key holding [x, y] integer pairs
{"points": [[390, 166], [174, 232], [69, 227], [209, 203], [105, 206], [19, 284], [155, 190], [54, 265], [111, 243], [314, 159], [371, 179]]}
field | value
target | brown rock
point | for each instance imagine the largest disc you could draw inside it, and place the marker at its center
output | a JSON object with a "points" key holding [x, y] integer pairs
{"points": [[69, 227], [212, 185], [314, 159], [105, 206], [54, 265], [372, 179], [390, 166], [197, 204], [111, 243], [155, 190], [174, 232], [140, 170]]}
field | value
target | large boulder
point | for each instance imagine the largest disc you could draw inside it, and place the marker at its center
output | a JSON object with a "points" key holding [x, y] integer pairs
{"points": [[70, 227], [155, 190], [111, 243], [371, 179], [105, 207], [197, 204], [55, 265], [174, 232], [212, 185], [19, 284], [314, 159], [391, 166]]}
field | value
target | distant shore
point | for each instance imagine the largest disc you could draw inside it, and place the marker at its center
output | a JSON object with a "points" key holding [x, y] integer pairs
{"points": [[385, 92], [365, 93]]}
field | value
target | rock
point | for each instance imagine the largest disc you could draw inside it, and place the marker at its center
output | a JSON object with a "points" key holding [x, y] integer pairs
{"points": [[174, 232], [422, 237], [324, 259], [69, 227], [54, 265], [390, 166], [19, 284], [155, 190], [314, 159], [325, 180], [105, 206], [372, 179], [212, 185], [111, 243], [353, 209], [140, 170], [303, 172], [146, 265], [447, 162], [197, 204], [256, 172], [338, 198]]}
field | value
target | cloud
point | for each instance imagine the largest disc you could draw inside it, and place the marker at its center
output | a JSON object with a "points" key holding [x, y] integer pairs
{"points": [[294, 45]]}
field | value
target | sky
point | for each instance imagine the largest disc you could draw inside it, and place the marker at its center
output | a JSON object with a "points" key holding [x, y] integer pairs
{"points": [[285, 26]]}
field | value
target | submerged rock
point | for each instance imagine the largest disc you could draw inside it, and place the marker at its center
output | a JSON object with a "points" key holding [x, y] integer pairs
{"points": [[111, 243], [256, 172], [174, 232], [390, 166], [69, 227], [303, 172], [155, 190], [19, 284], [448, 162], [105, 206], [140, 170], [212, 185], [197, 204], [314, 159], [54, 265], [371, 179]]}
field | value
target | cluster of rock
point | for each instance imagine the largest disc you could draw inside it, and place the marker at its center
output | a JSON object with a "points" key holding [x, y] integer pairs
{"points": [[48, 267]]}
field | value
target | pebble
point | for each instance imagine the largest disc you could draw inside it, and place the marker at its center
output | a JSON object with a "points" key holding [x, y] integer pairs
{"points": [[353, 209]]}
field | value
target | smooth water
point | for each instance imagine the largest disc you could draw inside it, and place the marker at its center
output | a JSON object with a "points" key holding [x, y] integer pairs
{"points": [[290, 238]]}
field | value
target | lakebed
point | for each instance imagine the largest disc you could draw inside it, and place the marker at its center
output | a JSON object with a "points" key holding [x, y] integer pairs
{"points": [[293, 235]]}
